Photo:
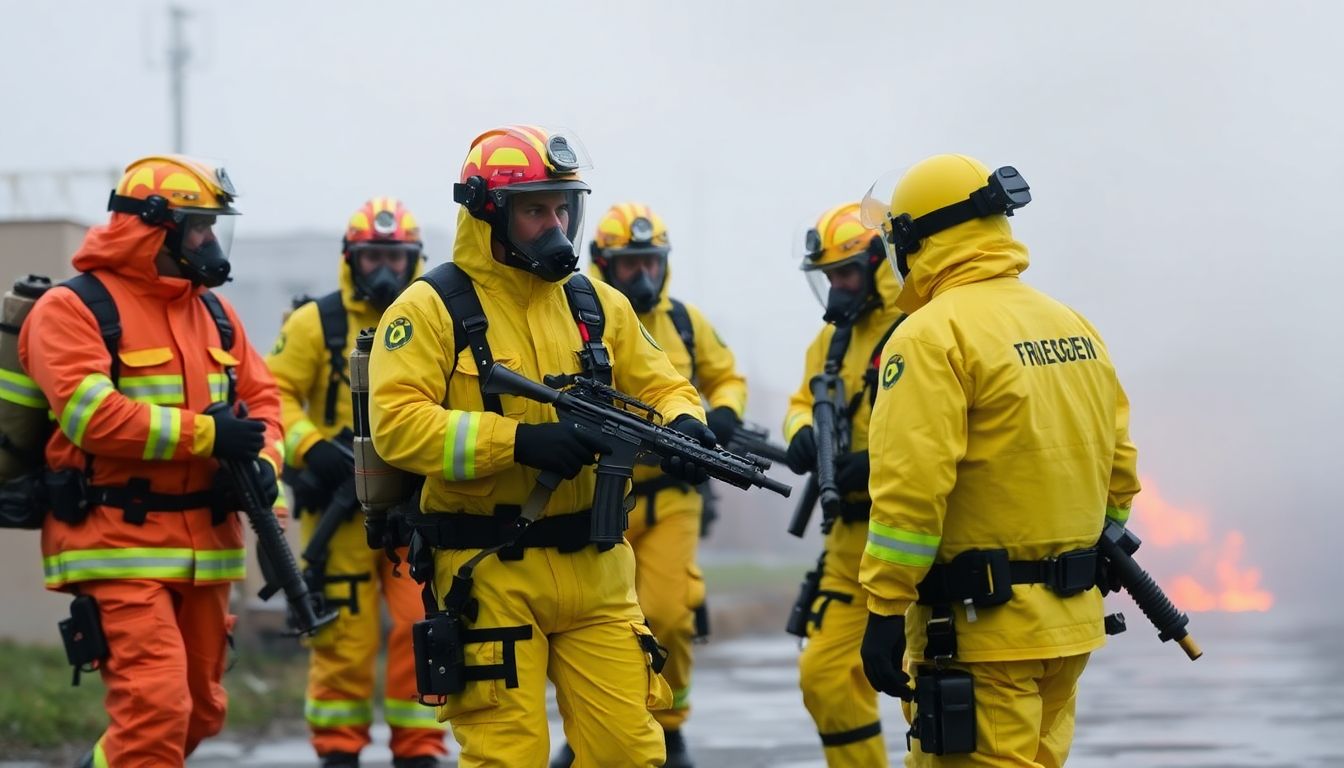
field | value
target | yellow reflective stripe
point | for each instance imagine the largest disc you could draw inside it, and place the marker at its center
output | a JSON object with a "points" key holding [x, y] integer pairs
{"points": [[166, 389], [681, 698], [1117, 514], [331, 713], [90, 393], [459, 445], [219, 387], [124, 563], [901, 547], [165, 430], [294, 438], [99, 756], [221, 565], [400, 713], [19, 389]]}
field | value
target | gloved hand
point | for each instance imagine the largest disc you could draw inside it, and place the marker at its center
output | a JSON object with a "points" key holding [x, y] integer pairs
{"points": [[236, 437], [328, 464], [687, 471], [851, 472], [270, 489], [556, 447], [802, 453], [723, 422], [882, 649]]}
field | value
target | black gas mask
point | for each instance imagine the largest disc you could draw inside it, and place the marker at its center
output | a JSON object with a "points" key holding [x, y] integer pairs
{"points": [[205, 264], [381, 286], [551, 256]]}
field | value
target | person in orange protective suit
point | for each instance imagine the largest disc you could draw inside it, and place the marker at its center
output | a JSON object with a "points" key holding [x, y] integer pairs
{"points": [[381, 253], [132, 464]]}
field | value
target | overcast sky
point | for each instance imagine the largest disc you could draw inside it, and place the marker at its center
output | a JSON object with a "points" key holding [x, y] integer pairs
{"points": [[1184, 158]]}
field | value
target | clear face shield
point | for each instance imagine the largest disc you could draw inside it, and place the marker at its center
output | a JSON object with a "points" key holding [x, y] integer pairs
{"points": [[543, 226], [382, 270], [875, 212], [843, 285], [200, 243], [638, 272]]}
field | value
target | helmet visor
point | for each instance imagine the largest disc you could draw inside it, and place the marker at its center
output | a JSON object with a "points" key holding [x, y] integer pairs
{"points": [[875, 212]]}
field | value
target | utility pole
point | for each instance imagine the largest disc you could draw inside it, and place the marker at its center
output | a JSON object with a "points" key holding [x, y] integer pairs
{"points": [[179, 54]]}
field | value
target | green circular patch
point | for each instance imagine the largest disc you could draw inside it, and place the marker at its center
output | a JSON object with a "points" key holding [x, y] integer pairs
{"points": [[891, 372], [279, 345], [397, 334]]}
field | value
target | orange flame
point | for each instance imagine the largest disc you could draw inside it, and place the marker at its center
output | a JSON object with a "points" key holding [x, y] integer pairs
{"points": [[1204, 570]]}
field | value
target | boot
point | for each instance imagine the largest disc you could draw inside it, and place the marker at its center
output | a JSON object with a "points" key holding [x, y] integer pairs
{"points": [[564, 758], [340, 760], [677, 756], [422, 761]]}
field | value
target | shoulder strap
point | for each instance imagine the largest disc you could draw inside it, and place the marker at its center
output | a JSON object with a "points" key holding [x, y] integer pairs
{"points": [[95, 296], [592, 322], [875, 362], [221, 318], [464, 307], [681, 320], [335, 327]]}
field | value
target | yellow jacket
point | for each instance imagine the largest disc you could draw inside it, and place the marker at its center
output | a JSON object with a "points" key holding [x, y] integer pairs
{"points": [[425, 405], [999, 424], [302, 368], [715, 375]]}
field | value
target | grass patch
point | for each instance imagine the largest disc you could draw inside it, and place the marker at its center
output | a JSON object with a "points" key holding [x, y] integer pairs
{"points": [[40, 713]]}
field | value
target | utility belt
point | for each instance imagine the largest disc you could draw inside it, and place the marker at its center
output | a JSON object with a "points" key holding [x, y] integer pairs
{"points": [[985, 577], [460, 530], [944, 720], [71, 498]]}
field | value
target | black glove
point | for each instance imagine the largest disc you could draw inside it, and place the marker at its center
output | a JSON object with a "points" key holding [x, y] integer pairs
{"points": [[270, 489], [882, 649], [557, 447], [329, 464], [237, 438], [689, 471], [723, 421], [802, 453], [226, 496], [851, 472]]}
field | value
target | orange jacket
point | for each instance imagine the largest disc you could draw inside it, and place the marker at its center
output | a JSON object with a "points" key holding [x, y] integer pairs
{"points": [[148, 426]]}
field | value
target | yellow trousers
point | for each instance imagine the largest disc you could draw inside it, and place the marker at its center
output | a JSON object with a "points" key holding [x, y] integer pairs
{"points": [[339, 704], [585, 631], [1024, 715], [841, 701], [665, 536]]}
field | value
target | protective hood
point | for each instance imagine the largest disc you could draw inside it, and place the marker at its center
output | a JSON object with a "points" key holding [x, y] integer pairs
{"points": [[128, 248], [471, 252], [977, 250]]}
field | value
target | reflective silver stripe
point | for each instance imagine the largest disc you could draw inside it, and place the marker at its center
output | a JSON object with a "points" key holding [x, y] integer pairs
{"points": [[80, 407], [902, 546], [18, 388]]}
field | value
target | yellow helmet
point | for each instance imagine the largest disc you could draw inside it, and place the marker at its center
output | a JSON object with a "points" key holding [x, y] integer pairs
{"points": [[840, 243], [935, 195], [632, 232], [186, 196]]}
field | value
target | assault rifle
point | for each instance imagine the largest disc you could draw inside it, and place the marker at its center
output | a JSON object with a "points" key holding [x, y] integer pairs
{"points": [[627, 426]]}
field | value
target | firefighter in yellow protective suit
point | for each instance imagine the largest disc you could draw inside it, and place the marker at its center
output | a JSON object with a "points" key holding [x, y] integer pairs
{"points": [[1000, 445], [629, 252], [381, 253], [843, 261], [550, 603]]}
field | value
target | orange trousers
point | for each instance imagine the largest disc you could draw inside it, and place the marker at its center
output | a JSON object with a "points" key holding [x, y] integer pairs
{"points": [[339, 706], [167, 646]]}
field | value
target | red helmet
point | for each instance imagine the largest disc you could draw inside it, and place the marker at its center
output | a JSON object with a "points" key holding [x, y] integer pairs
{"points": [[541, 164], [381, 245]]}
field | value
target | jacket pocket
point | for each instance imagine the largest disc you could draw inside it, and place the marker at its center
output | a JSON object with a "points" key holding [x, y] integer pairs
{"points": [[469, 380], [148, 376], [658, 694]]}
